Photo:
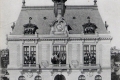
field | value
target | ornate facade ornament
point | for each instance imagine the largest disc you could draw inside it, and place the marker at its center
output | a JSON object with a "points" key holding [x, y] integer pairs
{"points": [[95, 2], [106, 25], [59, 7], [23, 2], [59, 26], [13, 26]]}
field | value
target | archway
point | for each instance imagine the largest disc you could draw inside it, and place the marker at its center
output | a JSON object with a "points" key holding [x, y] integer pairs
{"points": [[81, 77], [59, 77], [98, 77], [4, 78]]}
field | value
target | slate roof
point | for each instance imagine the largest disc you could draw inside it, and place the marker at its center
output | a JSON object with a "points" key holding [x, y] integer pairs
{"points": [[43, 16]]}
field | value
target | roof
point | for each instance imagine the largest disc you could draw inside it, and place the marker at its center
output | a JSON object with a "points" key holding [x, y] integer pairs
{"points": [[43, 16]]}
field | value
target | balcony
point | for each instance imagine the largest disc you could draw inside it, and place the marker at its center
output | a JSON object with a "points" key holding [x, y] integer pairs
{"points": [[59, 66], [95, 66], [90, 67], [30, 66]]}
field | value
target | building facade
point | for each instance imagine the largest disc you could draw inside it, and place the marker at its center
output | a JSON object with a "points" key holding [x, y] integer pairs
{"points": [[59, 43]]}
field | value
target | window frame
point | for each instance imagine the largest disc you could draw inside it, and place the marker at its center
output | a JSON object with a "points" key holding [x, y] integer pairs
{"points": [[59, 48], [30, 45], [89, 51]]}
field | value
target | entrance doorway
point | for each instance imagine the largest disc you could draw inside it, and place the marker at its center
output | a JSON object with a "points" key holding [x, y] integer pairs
{"points": [[59, 77]]}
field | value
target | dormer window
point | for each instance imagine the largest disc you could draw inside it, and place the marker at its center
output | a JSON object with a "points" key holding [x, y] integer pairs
{"points": [[30, 28], [89, 28]]}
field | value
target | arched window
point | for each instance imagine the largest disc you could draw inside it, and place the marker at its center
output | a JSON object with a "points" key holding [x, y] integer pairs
{"points": [[38, 78], [59, 77], [81, 77], [98, 77], [4, 78], [21, 78]]}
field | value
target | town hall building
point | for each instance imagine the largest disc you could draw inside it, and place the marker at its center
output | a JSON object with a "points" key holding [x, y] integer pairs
{"points": [[60, 42]]}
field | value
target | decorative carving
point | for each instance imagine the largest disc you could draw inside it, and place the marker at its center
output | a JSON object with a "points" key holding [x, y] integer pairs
{"points": [[106, 25], [59, 26], [13, 26], [23, 2], [89, 28], [30, 28], [29, 73], [45, 63], [75, 63], [59, 7], [95, 2]]}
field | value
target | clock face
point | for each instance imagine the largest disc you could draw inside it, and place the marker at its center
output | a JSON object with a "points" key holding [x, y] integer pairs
{"points": [[59, 27]]}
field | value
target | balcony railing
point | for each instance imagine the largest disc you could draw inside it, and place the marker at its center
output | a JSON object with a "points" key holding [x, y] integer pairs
{"points": [[92, 66], [30, 66], [49, 67], [60, 66]]}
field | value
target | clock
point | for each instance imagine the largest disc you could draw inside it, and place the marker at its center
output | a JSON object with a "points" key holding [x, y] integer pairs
{"points": [[59, 27]]}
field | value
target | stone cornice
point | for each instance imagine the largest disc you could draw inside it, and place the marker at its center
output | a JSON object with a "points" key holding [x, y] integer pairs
{"points": [[58, 39], [67, 7]]}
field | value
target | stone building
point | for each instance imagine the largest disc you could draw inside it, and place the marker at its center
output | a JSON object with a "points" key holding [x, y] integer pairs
{"points": [[59, 42]]}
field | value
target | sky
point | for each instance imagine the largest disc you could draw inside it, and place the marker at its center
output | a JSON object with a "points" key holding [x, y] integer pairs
{"points": [[109, 10]]}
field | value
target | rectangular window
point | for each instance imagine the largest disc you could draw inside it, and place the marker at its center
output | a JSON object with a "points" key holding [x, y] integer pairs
{"points": [[29, 56], [89, 54], [59, 54]]}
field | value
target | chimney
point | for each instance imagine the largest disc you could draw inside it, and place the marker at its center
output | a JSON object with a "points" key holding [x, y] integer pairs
{"points": [[59, 7]]}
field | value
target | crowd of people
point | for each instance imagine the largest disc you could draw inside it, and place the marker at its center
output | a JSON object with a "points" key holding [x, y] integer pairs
{"points": [[89, 58], [58, 58], [29, 59]]}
